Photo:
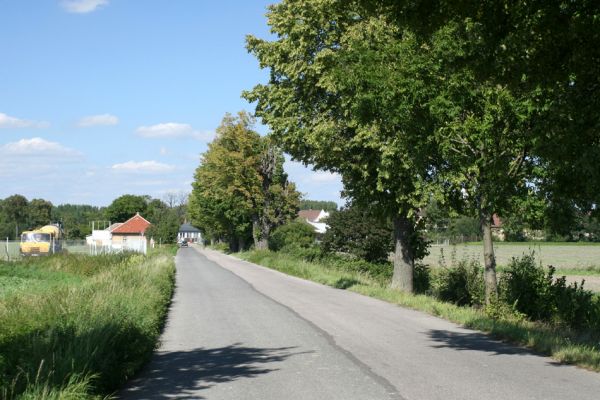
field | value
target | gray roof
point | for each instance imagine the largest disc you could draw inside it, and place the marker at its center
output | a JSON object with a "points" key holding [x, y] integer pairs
{"points": [[188, 228]]}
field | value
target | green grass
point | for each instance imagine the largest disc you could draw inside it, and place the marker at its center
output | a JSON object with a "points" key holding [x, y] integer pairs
{"points": [[582, 349], [76, 326]]}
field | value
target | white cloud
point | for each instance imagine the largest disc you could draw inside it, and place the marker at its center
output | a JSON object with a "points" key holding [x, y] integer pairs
{"points": [[143, 166], [36, 147], [164, 151], [98, 120], [82, 6], [322, 177], [28, 162], [6, 121], [173, 130]]}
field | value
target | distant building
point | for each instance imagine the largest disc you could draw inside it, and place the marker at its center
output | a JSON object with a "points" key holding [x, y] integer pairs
{"points": [[189, 232], [130, 234], [313, 218]]}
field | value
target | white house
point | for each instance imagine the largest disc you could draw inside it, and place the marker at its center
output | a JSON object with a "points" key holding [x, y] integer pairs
{"points": [[313, 218]]}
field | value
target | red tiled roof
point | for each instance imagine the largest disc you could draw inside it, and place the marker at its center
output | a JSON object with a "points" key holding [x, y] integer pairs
{"points": [[136, 224], [310, 215], [496, 221]]}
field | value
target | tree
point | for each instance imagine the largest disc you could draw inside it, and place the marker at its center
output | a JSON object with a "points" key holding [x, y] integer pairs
{"points": [[347, 95], [166, 228], [306, 204], [357, 231], [75, 219], [517, 89], [125, 207], [279, 202], [39, 213], [15, 209], [240, 190]]}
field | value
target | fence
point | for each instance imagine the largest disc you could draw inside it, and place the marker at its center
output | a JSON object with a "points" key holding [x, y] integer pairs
{"points": [[448, 240], [10, 249]]}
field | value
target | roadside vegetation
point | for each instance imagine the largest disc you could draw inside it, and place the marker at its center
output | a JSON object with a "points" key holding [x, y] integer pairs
{"points": [[535, 307], [75, 326]]}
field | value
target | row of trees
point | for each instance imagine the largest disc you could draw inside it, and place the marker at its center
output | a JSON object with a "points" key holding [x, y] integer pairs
{"points": [[241, 192], [18, 214], [481, 105]]}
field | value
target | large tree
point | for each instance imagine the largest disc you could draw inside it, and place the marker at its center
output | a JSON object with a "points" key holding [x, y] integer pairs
{"points": [[14, 212], [240, 191], [348, 93], [125, 207], [39, 213], [480, 101]]}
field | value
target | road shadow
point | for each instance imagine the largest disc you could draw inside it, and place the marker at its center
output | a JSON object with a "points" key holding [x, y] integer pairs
{"points": [[182, 374], [475, 341]]}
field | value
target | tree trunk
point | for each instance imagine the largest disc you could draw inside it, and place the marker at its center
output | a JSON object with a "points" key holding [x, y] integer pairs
{"points": [[491, 285], [403, 255]]}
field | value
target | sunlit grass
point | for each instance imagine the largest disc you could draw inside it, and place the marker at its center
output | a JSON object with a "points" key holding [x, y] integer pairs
{"points": [[74, 326]]}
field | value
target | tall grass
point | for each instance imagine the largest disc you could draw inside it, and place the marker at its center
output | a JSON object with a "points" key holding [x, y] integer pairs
{"points": [[563, 344], [83, 326]]}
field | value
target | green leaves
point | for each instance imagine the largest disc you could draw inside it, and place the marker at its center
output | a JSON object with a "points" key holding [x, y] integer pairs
{"points": [[240, 189]]}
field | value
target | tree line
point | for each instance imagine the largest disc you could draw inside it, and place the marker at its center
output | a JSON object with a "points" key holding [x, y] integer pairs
{"points": [[18, 214], [487, 107]]}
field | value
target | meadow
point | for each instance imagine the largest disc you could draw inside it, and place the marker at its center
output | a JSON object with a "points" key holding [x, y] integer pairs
{"points": [[76, 326], [563, 256]]}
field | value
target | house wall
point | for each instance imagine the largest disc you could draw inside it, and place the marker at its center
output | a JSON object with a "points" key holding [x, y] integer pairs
{"points": [[191, 236]]}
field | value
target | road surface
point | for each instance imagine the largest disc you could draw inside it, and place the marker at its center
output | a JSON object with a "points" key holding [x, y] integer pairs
{"points": [[240, 331]]}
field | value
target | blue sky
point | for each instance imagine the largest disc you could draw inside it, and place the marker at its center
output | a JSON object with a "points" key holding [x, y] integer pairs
{"points": [[100, 98]]}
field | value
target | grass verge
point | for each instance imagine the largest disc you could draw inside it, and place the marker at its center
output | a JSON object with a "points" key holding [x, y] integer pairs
{"points": [[76, 327], [563, 345]]}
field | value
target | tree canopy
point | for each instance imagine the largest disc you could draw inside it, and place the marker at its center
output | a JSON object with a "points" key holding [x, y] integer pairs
{"points": [[478, 104], [240, 191]]}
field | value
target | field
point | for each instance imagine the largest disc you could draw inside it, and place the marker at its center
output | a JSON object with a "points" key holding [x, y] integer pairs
{"points": [[576, 256], [77, 326], [577, 261]]}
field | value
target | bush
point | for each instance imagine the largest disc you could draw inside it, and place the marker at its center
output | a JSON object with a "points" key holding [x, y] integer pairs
{"points": [[527, 286], [421, 279], [378, 271], [462, 285], [360, 233], [295, 235], [539, 295]]}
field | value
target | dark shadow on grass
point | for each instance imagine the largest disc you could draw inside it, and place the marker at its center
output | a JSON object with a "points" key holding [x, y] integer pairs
{"points": [[345, 283], [182, 374], [476, 342]]}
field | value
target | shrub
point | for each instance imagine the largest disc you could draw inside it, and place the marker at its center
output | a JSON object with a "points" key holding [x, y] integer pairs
{"points": [[295, 235], [358, 232], [421, 279], [378, 271], [462, 285], [528, 287], [539, 295]]}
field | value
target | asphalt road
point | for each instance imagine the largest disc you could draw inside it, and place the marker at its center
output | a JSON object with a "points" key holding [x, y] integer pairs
{"points": [[240, 331]]}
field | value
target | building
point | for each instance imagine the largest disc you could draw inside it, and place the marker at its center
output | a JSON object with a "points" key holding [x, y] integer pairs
{"points": [[313, 218], [189, 232], [130, 234]]}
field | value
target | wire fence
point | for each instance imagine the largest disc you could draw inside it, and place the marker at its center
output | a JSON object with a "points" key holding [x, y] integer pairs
{"points": [[10, 250]]}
